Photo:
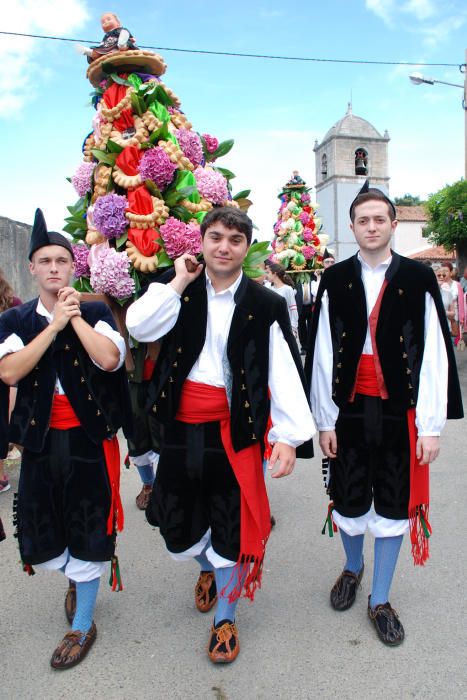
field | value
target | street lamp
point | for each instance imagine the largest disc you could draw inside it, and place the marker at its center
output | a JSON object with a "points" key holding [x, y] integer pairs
{"points": [[418, 79]]}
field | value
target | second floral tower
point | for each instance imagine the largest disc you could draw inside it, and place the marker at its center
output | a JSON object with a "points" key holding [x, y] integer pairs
{"points": [[299, 242]]}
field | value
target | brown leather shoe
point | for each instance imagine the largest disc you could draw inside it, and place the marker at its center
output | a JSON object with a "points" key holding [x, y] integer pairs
{"points": [[73, 648], [142, 499], [344, 591], [205, 591], [387, 624], [224, 644], [70, 601]]}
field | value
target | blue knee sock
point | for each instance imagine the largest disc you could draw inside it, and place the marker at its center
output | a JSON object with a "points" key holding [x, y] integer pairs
{"points": [[203, 561], [386, 554], [353, 546], [146, 473], [86, 594], [224, 578]]}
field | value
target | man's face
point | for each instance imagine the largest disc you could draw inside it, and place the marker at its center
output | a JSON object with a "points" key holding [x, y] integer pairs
{"points": [[224, 250], [328, 262], [447, 273], [53, 268], [372, 226]]}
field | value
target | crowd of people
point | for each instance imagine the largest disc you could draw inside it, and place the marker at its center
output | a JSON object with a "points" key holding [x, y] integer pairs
{"points": [[218, 389]]}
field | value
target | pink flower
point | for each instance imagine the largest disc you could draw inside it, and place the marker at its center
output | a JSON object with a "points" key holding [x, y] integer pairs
{"points": [[190, 143], [81, 180], [211, 143], [81, 253], [180, 238], [156, 165], [110, 273], [309, 252], [211, 185], [308, 235], [304, 218]]}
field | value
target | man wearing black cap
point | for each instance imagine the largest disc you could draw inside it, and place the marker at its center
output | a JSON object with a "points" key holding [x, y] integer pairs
{"points": [[66, 358], [383, 382]]}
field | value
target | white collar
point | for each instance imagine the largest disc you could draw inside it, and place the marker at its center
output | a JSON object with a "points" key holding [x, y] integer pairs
{"points": [[230, 290], [382, 265], [42, 311]]}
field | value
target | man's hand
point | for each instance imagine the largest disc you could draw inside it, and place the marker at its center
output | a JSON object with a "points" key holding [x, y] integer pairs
{"points": [[187, 269], [67, 292], [66, 308], [285, 455], [328, 443], [427, 449]]}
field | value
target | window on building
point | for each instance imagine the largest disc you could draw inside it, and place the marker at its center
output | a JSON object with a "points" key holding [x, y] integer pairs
{"points": [[361, 162], [324, 166]]}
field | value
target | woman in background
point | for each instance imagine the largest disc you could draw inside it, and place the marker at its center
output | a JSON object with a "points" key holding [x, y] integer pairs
{"points": [[283, 284], [7, 300]]}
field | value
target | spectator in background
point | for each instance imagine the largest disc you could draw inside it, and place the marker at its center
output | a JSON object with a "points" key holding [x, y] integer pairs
{"points": [[283, 284], [7, 301]]}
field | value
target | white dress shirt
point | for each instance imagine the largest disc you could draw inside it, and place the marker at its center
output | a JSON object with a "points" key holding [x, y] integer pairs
{"points": [[155, 314]]}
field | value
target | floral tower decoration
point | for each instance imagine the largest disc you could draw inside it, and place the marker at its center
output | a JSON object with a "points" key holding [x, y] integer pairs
{"points": [[146, 179], [299, 242]]}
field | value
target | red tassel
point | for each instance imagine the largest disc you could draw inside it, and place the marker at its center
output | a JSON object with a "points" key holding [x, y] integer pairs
{"points": [[115, 580], [420, 531], [28, 569]]}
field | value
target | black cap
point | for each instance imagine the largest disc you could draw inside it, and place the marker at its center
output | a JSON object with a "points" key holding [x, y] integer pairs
{"points": [[40, 237], [372, 190]]}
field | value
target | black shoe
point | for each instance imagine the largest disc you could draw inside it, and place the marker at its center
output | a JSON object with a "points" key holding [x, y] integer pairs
{"points": [[344, 591], [273, 522], [387, 624]]}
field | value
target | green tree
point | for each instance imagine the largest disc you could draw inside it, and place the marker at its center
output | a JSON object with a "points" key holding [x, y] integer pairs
{"points": [[447, 222], [407, 200]]}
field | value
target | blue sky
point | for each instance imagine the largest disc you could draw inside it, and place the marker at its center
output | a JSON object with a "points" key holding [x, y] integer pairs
{"points": [[273, 109]]}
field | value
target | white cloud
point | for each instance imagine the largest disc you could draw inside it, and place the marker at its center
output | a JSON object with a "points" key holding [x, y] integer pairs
{"points": [[432, 20], [21, 56], [421, 9]]}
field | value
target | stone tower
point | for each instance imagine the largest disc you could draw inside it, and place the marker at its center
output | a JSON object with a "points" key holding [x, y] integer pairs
{"points": [[351, 151]]}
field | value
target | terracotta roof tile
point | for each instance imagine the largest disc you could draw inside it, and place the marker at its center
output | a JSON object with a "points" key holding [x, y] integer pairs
{"points": [[434, 253], [416, 213]]}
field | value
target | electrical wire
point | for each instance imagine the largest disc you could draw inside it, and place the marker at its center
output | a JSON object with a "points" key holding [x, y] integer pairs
{"points": [[236, 54]]}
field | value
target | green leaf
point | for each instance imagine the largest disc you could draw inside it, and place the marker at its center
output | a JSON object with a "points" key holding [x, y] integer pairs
{"points": [[163, 97], [228, 174], [116, 78], [180, 212], [103, 157], [82, 284], [164, 260], [68, 178], [138, 104], [120, 242], [241, 195], [223, 148], [153, 189], [113, 147]]}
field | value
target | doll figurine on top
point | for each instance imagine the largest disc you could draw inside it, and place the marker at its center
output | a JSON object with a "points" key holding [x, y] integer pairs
{"points": [[296, 179], [116, 38]]}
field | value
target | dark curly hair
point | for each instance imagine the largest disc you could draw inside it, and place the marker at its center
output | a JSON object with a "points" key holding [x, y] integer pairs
{"points": [[6, 293]]}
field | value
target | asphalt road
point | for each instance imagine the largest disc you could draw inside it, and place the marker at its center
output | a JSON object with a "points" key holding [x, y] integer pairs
{"points": [[151, 639]]}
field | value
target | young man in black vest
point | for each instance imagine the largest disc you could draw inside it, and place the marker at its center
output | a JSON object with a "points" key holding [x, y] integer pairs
{"points": [[228, 361], [383, 381], [66, 358]]}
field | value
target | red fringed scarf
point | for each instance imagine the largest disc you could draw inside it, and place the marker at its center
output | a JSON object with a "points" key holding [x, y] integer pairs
{"points": [[63, 417], [201, 403], [419, 502]]}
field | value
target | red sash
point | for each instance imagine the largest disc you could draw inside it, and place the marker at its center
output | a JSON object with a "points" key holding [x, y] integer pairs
{"points": [[367, 381], [201, 403], [63, 417], [419, 501]]}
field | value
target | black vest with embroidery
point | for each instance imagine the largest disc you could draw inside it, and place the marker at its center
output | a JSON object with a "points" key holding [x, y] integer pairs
{"points": [[100, 399], [399, 332], [256, 309]]}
